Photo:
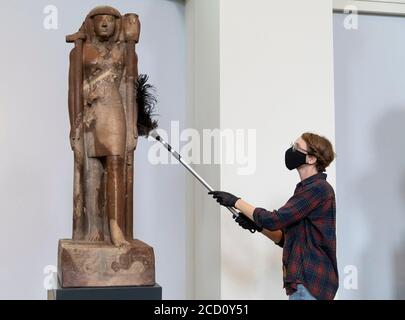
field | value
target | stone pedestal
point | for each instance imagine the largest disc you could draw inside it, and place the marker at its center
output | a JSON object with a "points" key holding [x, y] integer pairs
{"points": [[95, 264]]}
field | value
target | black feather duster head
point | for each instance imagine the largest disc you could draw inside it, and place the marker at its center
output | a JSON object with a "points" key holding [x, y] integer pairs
{"points": [[146, 101]]}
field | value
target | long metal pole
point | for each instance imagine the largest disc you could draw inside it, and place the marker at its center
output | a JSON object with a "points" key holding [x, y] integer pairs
{"points": [[193, 172]]}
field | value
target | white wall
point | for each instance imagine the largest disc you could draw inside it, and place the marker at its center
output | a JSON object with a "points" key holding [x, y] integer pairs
{"points": [[203, 224], [276, 77], [36, 162]]}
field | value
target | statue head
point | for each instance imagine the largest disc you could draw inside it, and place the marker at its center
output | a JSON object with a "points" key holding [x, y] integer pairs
{"points": [[103, 22]]}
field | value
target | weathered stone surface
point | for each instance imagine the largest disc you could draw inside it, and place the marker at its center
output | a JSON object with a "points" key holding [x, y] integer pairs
{"points": [[97, 264]]}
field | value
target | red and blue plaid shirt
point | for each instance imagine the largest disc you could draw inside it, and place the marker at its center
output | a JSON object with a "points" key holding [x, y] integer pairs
{"points": [[308, 222]]}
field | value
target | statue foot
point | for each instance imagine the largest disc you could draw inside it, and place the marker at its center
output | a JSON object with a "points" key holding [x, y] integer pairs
{"points": [[95, 236], [117, 237]]}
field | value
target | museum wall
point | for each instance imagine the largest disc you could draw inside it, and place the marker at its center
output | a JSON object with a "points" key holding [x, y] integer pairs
{"points": [[36, 165], [370, 116], [203, 96], [277, 78]]}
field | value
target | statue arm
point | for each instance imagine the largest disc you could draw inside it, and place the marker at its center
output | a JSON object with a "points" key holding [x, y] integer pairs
{"points": [[71, 91], [71, 97], [133, 76], [131, 79], [132, 28]]}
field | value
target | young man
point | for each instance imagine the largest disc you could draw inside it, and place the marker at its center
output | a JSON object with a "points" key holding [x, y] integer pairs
{"points": [[305, 227]]}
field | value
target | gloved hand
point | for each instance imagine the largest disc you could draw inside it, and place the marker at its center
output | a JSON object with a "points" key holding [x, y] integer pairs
{"points": [[224, 198], [246, 223]]}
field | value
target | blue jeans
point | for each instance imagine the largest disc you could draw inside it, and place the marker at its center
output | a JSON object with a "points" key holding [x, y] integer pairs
{"points": [[301, 294]]}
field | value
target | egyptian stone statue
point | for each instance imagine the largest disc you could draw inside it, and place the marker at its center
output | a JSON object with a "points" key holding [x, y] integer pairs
{"points": [[110, 107]]}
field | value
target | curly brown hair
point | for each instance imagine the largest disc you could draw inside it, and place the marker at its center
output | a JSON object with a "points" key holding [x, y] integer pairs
{"points": [[321, 148]]}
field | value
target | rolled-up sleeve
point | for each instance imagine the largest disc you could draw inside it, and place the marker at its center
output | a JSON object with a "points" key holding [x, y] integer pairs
{"points": [[258, 214], [296, 209]]}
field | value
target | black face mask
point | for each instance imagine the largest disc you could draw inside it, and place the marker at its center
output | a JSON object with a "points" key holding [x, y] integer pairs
{"points": [[294, 159]]}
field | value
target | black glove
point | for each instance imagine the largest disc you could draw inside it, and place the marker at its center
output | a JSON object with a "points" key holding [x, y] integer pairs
{"points": [[224, 198], [246, 223]]}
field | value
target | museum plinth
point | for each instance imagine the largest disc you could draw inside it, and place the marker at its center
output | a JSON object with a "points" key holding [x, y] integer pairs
{"points": [[95, 264], [107, 293]]}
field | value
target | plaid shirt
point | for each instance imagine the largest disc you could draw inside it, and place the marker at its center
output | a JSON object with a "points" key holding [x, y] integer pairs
{"points": [[308, 222]]}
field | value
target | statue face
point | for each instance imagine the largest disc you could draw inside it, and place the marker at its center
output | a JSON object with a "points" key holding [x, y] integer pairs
{"points": [[104, 26]]}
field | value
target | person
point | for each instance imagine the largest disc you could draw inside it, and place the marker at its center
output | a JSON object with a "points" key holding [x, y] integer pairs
{"points": [[305, 227]]}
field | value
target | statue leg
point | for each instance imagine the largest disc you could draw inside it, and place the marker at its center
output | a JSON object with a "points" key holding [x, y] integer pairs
{"points": [[79, 219], [94, 199], [116, 198]]}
